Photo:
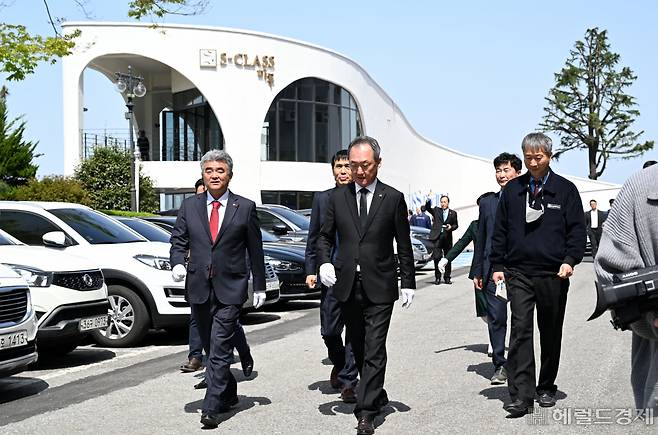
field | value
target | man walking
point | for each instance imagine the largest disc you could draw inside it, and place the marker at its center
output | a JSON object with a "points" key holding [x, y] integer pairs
{"points": [[344, 372], [507, 167], [594, 219], [365, 217], [216, 230], [539, 237], [443, 224]]}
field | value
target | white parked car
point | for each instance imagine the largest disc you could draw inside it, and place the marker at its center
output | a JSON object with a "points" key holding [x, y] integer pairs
{"points": [[69, 296], [18, 324], [142, 293]]}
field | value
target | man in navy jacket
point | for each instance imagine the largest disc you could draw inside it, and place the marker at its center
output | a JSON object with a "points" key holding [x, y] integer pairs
{"points": [[344, 372], [539, 237]]}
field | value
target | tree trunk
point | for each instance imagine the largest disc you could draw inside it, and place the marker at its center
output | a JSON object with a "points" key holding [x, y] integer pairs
{"points": [[592, 148]]}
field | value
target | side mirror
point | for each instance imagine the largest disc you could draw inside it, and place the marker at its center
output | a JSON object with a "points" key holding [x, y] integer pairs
{"points": [[55, 239], [280, 229]]}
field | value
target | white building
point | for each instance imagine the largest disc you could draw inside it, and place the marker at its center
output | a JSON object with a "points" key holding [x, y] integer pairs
{"points": [[280, 107]]}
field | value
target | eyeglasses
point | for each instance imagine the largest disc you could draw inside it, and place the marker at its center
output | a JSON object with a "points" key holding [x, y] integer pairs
{"points": [[363, 165]]}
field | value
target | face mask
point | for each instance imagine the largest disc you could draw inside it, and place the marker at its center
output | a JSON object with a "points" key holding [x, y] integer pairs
{"points": [[532, 214]]}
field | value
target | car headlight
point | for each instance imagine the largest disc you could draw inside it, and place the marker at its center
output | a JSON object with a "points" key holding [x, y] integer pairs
{"points": [[283, 265], [34, 277], [160, 263]]}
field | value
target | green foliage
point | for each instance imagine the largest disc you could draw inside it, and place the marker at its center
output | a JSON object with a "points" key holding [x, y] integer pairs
{"points": [[7, 192], [16, 155], [21, 52], [588, 107], [55, 188], [106, 177]]}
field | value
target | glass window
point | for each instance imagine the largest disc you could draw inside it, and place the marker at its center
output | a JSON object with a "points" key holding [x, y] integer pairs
{"points": [[309, 121], [96, 227], [6, 240], [27, 227], [150, 231], [268, 220]]}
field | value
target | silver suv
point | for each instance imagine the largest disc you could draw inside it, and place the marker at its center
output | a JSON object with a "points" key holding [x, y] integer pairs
{"points": [[18, 324]]}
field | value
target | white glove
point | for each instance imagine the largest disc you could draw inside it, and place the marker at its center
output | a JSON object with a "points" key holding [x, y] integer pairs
{"points": [[407, 297], [442, 265], [259, 299], [178, 273], [327, 274]]}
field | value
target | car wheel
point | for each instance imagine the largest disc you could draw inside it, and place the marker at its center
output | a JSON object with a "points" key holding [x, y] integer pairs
{"points": [[129, 319]]}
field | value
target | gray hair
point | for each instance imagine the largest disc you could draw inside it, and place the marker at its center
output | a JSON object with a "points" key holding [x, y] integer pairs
{"points": [[217, 156], [537, 142], [371, 141]]}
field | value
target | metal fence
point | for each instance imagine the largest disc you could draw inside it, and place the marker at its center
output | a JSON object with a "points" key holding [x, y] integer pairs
{"points": [[102, 138]]}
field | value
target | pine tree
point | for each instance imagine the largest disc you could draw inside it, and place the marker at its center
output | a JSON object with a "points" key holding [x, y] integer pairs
{"points": [[16, 155]]}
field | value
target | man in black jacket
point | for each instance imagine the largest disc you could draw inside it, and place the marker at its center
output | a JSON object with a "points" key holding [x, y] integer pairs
{"points": [[444, 223], [594, 219], [365, 217], [344, 373], [539, 237]]}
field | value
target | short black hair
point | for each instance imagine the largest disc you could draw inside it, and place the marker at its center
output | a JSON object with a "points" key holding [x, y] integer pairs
{"points": [[648, 163], [513, 160], [340, 155], [198, 183], [423, 209], [592, 200], [444, 196]]}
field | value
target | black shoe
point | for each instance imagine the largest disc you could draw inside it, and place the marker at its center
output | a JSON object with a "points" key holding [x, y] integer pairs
{"points": [[437, 282], [210, 421], [247, 365], [447, 281], [365, 427], [201, 386], [518, 408], [546, 400]]}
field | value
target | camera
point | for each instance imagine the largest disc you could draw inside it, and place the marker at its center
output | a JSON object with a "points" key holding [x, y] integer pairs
{"points": [[628, 296]]}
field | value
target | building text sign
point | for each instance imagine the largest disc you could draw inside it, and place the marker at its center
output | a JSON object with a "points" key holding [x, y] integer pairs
{"points": [[263, 65]]}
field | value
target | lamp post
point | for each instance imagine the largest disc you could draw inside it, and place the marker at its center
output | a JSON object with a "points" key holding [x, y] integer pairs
{"points": [[133, 86]]}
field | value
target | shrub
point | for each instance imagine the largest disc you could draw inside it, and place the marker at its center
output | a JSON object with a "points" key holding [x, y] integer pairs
{"points": [[53, 188]]}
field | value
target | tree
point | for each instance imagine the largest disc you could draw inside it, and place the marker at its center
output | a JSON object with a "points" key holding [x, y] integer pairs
{"points": [[16, 155], [21, 52], [53, 188], [106, 178], [588, 107]]}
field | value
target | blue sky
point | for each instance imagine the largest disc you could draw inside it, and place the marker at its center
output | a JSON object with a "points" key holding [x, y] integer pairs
{"points": [[470, 75]]}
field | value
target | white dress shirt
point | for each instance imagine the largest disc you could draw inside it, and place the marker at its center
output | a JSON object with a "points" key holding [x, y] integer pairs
{"points": [[223, 200], [371, 193], [594, 218]]}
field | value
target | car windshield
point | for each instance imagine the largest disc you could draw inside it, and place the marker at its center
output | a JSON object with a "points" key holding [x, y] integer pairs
{"points": [[267, 237], [151, 231], [294, 217], [95, 227]]}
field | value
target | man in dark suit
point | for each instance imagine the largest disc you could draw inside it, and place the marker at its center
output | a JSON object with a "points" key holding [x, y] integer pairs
{"points": [[344, 372], [508, 167], [216, 228], [444, 223], [366, 216], [594, 219]]}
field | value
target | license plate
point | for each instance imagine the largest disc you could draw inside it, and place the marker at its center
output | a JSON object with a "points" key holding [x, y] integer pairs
{"points": [[14, 339], [93, 322], [272, 285]]}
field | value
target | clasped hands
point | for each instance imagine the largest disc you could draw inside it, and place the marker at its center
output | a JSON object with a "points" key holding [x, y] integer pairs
{"points": [[178, 274], [328, 278]]}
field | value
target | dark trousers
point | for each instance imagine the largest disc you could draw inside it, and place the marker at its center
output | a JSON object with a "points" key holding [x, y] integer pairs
{"points": [[439, 252], [217, 327], [331, 328], [594, 239], [367, 326], [497, 323], [549, 294], [196, 346]]}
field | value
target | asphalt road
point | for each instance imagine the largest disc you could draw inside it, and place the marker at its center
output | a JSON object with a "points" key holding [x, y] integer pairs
{"points": [[437, 378]]}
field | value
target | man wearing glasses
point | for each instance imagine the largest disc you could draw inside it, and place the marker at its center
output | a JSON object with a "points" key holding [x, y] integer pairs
{"points": [[538, 239]]}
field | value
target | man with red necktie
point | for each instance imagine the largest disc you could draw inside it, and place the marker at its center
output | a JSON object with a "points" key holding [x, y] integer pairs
{"points": [[216, 229]]}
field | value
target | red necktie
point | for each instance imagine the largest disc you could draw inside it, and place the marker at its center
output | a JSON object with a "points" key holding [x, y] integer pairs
{"points": [[214, 220], [535, 191]]}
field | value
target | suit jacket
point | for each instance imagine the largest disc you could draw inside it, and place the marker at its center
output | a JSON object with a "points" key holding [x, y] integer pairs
{"points": [[372, 247], [444, 237], [588, 219], [481, 266], [318, 211], [224, 262]]}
